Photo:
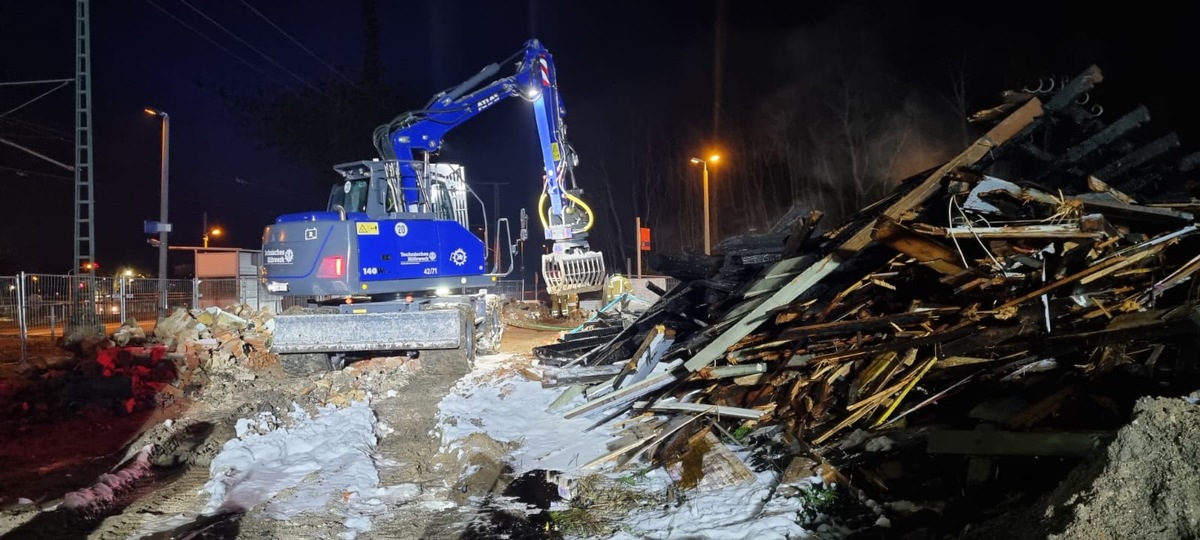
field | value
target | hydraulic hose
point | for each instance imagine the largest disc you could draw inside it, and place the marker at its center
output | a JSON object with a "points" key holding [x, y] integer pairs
{"points": [[587, 209]]}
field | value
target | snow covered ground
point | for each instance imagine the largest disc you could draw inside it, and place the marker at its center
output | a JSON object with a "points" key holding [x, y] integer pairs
{"points": [[508, 408], [326, 462], [305, 464], [505, 406]]}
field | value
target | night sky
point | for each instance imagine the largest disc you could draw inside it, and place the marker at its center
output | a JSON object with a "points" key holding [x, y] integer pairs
{"points": [[622, 66]]}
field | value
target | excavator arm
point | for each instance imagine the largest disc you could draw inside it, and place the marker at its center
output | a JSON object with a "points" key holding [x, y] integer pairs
{"points": [[412, 137]]}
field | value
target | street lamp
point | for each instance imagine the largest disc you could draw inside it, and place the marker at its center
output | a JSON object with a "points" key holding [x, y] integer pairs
{"points": [[162, 212], [704, 162], [215, 231]]}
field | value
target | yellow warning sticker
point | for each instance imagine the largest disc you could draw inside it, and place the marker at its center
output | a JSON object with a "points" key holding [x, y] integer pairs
{"points": [[554, 152], [368, 228]]}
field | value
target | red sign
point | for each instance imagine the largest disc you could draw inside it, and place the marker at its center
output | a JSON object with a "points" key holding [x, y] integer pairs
{"points": [[644, 239]]}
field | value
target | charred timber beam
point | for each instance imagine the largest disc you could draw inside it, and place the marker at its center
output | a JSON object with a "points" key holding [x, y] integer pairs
{"points": [[1012, 443], [860, 325], [1142, 155], [1037, 153], [1179, 320], [788, 221], [951, 334], [1189, 162], [1078, 86], [1106, 136], [1084, 117], [800, 234], [1137, 212]]}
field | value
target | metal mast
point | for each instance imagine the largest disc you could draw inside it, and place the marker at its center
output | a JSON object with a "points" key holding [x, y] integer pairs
{"points": [[84, 315], [85, 249]]}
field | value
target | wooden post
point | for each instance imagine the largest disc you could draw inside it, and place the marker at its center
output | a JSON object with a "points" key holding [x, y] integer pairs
{"points": [[637, 244]]}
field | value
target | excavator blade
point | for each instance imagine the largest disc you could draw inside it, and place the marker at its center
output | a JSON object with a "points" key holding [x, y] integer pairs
{"points": [[573, 273], [417, 330]]}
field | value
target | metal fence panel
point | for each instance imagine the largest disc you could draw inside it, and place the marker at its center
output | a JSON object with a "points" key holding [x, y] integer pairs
{"points": [[9, 321], [219, 293], [51, 301], [510, 288]]}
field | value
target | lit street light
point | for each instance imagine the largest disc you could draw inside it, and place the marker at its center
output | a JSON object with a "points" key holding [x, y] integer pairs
{"points": [[707, 238], [162, 212], [215, 231]]}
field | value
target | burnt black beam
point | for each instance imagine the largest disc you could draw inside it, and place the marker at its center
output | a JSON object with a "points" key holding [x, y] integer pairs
{"points": [[1139, 182], [1189, 162], [1077, 87], [1116, 130], [1084, 117], [1146, 153], [1037, 153]]}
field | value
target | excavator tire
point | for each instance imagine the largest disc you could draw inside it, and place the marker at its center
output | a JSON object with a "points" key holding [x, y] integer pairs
{"points": [[489, 332]]}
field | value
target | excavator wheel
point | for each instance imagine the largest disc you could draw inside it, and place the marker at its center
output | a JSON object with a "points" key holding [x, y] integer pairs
{"points": [[491, 330]]}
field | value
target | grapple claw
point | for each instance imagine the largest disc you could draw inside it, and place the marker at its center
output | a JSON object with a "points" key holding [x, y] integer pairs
{"points": [[567, 273]]}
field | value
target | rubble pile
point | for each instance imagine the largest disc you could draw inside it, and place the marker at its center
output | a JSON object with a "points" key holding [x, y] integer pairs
{"points": [[962, 342], [222, 338], [122, 373]]}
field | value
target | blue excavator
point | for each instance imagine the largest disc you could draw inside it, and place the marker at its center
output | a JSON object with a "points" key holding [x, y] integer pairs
{"points": [[391, 263]]}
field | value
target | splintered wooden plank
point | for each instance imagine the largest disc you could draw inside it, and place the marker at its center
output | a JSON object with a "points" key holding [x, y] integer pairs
{"points": [[740, 310], [1143, 213], [776, 276], [867, 325], [701, 408], [627, 394], [647, 358], [998, 135], [925, 250], [749, 322]]}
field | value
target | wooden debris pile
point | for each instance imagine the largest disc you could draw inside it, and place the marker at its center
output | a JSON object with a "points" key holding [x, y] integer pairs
{"points": [[1011, 302]]}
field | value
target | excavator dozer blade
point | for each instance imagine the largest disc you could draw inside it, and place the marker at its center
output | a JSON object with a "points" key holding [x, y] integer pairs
{"points": [[417, 330], [573, 273]]}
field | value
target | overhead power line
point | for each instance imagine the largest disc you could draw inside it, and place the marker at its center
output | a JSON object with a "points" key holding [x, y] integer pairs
{"points": [[219, 46], [298, 44], [37, 154], [43, 81], [27, 172], [251, 47], [40, 96], [37, 128]]}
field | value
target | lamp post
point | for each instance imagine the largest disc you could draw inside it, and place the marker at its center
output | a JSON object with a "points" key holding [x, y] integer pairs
{"points": [[704, 162], [162, 212], [215, 231]]}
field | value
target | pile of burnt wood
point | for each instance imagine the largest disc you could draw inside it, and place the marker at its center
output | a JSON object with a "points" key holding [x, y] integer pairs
{"points": [[1005, 307]]}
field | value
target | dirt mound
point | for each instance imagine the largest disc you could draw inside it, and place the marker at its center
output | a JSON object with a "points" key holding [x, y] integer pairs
{"points": [[1146, 485]]}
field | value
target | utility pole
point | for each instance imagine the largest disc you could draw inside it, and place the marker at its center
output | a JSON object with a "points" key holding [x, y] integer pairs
{"points": [[163, 226], [162, 211]]}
